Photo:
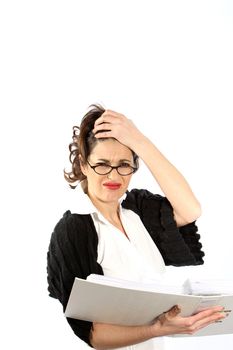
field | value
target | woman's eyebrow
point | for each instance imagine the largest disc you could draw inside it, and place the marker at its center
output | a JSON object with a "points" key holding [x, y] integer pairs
{"points": [[107, 161]]}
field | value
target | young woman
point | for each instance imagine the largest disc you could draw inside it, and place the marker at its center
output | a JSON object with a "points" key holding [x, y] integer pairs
{"points": [[125, 234]]}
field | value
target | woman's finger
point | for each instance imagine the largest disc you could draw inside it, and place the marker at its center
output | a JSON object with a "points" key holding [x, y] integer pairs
{"points": [[193, 323], [207, 313], [206, 322], [107, 117], [103, 126], [107, 123]]}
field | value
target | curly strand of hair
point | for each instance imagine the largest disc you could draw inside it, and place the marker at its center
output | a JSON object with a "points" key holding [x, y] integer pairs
{"points": [[73, 175]]}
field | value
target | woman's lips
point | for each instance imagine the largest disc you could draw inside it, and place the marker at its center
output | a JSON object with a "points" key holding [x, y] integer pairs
{"points": [[112, 186]]}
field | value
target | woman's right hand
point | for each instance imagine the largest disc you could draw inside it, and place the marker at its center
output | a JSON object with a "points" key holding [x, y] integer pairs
{"points": [[171, 322], [109, 336]]}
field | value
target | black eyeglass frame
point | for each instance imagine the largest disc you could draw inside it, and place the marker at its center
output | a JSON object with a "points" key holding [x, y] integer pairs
{"points": [[134, 169]]}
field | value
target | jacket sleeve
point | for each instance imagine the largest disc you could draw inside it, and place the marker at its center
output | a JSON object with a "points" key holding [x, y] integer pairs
{"points": [[178, 246], [70, 255]]}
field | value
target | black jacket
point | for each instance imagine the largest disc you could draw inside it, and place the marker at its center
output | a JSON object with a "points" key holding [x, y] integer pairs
{"points": [[73, 246]]}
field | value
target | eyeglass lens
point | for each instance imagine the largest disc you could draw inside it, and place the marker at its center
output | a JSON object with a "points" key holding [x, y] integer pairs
{"points": [[121, 169]]}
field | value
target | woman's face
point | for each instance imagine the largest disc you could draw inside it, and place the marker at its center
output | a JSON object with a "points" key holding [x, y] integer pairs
{"points": [[110, 152]]}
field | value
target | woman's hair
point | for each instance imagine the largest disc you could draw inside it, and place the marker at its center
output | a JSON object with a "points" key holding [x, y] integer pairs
{"points": [[83, 143]]}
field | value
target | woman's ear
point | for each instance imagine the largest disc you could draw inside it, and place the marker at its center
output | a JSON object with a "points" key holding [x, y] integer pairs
{"points": [[82, 165]]}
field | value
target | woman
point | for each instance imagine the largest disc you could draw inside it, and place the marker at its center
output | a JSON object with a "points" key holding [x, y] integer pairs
{"points": [[127, 234]]}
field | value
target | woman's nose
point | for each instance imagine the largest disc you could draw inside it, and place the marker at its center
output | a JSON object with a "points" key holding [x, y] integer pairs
{"points": [[113, 174]]}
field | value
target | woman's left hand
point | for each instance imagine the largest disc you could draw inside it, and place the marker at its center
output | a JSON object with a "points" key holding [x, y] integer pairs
{"points": [[118, 126]]}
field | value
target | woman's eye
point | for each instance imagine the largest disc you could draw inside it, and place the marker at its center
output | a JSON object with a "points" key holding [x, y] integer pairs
{"points": [[125, 165], [103, 165]]}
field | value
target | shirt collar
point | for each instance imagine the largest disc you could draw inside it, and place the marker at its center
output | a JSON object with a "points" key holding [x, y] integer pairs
{"points": [[79, 202]]}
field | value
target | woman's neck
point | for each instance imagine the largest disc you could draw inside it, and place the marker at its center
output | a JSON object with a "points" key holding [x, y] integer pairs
{"points": [[109, 210]]}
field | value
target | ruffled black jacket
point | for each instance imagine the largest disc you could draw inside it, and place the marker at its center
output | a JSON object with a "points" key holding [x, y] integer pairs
{"points": [[73, 246]]}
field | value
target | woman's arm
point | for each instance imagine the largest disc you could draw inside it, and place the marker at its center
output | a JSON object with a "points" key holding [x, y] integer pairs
{"points": [[185, 205], [106, 336]]}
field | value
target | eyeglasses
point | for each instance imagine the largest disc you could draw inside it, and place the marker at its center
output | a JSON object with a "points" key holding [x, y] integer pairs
{"points": [[123, 169]]}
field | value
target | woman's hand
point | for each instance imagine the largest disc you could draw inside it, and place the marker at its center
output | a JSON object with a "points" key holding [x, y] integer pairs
{"points": [[171, 323], [118, 126], [108, 336]]}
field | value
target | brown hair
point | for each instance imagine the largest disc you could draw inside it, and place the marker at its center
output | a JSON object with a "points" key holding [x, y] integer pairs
{"points": [[83, 143]]}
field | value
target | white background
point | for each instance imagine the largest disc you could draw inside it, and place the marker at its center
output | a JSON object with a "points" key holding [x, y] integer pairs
{"points": [[165, 64]]}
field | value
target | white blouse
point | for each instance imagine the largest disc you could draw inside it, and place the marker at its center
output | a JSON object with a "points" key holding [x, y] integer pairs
{"points": [[134, 258]]}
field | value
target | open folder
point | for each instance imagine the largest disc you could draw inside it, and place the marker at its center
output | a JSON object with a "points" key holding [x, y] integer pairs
{"points": [[100, 299]]}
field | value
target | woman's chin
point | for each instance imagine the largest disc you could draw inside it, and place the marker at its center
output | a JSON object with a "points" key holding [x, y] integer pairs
{"points": [[113, 195]]}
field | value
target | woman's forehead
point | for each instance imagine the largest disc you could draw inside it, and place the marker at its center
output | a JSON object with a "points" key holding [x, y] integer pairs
{"points": [[111, 150]]}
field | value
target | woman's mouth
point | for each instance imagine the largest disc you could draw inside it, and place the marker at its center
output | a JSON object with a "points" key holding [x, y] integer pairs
{"points": [[112, 185]]}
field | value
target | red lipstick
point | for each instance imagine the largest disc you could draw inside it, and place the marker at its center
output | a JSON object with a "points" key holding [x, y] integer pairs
{"points": [[112, 185]]}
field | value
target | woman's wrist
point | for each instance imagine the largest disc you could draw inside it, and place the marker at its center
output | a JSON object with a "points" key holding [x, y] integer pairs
{"points": [[156, 329], [142, 145]]}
